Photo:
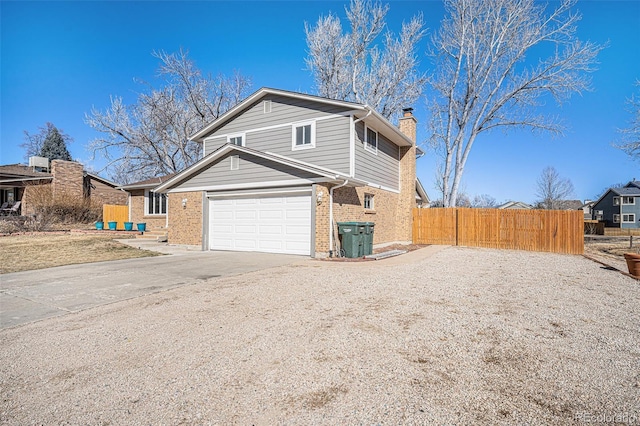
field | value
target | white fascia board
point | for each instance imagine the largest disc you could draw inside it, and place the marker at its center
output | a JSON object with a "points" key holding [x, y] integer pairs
{"points": [[420, 189], [198, 136]]}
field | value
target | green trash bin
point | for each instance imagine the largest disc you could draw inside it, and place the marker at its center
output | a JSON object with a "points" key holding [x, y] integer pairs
{"points": [[351, 238], [368, 237]]}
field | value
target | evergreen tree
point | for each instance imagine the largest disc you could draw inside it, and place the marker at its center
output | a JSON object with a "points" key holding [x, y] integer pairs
{"points": [[54, 146]]}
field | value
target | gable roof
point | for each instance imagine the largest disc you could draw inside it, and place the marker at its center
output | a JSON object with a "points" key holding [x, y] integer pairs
{"points": [[632, 189], [147, 183], [330, 175], [20, 171], [361, 111], [515, 205], [421, 192]]}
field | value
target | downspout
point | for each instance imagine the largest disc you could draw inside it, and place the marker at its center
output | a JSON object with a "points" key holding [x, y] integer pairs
{"points": [[346, 181], [368, 114]]}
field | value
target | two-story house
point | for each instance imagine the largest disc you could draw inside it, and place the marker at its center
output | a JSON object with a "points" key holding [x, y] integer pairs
{"points": [[280, 169], [619, 207]]}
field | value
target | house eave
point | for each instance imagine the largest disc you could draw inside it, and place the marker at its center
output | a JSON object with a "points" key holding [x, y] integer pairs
{"points": [[325, 175]]}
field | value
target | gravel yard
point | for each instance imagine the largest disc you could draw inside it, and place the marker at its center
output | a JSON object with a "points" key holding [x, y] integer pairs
{"points": [[465, 336]]}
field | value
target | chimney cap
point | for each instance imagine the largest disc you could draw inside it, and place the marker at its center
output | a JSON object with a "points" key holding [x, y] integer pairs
{"points": [[407, 110]]}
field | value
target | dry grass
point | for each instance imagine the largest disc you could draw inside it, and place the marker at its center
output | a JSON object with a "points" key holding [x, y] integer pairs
{"points": [[611, 250], [28, 252]]}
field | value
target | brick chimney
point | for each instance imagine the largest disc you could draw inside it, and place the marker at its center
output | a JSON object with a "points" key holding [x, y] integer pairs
{"points": [[407, 198], [408, 124]]}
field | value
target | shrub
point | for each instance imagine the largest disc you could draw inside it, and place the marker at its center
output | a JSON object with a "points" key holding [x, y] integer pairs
{"points": [[63, 208]]}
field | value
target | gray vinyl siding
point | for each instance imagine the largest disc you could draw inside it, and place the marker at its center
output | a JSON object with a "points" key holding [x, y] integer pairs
{"points": [[381, 169], [631, 208], [608, 209], [251, 169], [332, 134]]}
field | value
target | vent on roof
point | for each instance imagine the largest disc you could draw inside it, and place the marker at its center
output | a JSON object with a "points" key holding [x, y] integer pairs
{"points": [[41, 162], [235, 162]]}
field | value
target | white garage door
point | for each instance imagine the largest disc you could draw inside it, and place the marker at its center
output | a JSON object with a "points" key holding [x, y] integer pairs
{"points": [[266, 223]]}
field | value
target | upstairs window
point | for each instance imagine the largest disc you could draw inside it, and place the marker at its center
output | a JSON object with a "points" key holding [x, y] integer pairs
{"points": [[304, 135], [370, 140], [628, 200], [236, 139], [155, 203], [616, 201]]}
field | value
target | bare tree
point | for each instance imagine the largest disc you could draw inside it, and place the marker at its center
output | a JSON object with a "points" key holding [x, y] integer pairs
{"points": [[151, 137], [553, 190], [484, 201], [630, 142], [350, 66], [33, 143], [482, 82]]}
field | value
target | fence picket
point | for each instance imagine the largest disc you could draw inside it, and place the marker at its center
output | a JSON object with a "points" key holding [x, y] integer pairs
{"points": [[556, 231], [115, 213]]}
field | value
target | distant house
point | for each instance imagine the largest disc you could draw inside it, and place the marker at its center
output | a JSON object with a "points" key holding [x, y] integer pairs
{"points": [[587, 209], [619, 207], [515, 205], [570, 205], [18, 182]]}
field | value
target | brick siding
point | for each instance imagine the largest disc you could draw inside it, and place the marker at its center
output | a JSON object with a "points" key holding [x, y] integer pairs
{"points": [[186, 222], [154, 222], [104, 194], [68, 178]]}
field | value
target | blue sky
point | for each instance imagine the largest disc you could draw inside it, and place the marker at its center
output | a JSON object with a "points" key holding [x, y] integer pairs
{"points": [[58, 59]]}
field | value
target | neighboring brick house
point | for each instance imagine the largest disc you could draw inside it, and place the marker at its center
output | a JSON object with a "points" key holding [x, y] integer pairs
{"points": [[145, 206], [20, 183], [619, 207], [280, 169]]}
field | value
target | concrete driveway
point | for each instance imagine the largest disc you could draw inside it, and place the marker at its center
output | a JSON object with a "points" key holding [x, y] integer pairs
{"points": [[34, 295]]}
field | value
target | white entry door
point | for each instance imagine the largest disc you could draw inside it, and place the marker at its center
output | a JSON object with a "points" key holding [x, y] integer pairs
{"points": [[278, 223]]}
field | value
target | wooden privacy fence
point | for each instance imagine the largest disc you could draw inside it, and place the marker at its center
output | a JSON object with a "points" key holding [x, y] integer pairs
{"points": [[113, 213], [557, 231]]}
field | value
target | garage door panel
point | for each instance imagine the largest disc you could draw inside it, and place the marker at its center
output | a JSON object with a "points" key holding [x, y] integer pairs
{"points": [[297, 214], [270, 229], [246, 230], [245, 214], [274, 223], [222, 216]]}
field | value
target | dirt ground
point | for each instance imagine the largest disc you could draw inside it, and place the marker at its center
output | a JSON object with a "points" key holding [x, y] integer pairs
{"points": [[611, 250], [29, 252], [449, 336]]}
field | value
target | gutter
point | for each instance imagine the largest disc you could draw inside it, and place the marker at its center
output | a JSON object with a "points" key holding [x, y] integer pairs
{"points": [[346, 181]]}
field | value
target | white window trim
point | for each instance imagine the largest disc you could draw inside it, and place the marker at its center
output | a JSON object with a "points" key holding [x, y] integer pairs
{"points": [[616, 218], [632, 203], [146, 204], [311, 145], [616, 201], [631, 218], [367, 146], [371, 202], [236, 135]]}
